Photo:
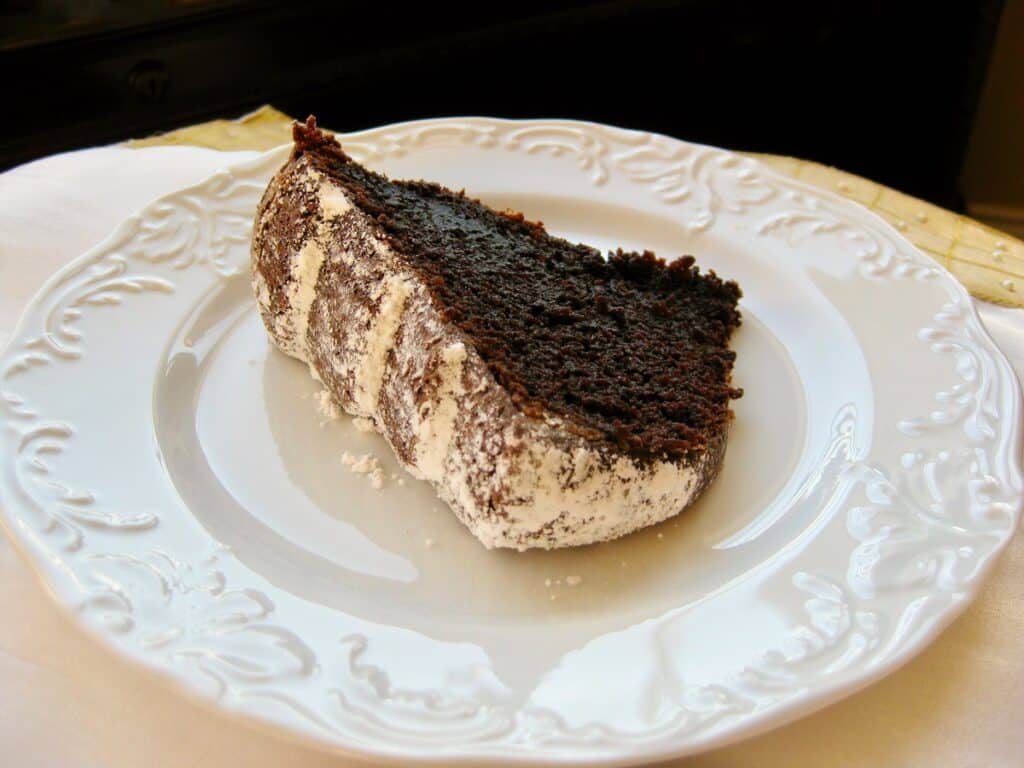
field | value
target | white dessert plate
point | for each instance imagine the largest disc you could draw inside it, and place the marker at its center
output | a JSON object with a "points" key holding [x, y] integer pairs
{"points": [[170, 477]]}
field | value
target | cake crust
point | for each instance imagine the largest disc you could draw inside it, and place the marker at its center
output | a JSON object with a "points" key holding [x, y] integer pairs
{"points": [[341, 286]]}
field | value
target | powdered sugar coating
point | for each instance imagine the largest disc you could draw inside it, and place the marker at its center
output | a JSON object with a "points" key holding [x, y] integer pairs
{"points": [[373, 334]]}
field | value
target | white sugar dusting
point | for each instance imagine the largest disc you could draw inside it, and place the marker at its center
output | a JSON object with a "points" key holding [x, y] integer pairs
{"points": [[302, 293], [380, 338], [333, 202], [436, 428]]}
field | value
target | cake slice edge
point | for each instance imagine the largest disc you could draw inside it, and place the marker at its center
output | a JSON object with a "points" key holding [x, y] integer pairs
{"points": [[333, 293]]}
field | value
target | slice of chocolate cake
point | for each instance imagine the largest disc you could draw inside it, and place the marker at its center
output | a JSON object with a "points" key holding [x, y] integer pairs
{"points": [[552, 397]]}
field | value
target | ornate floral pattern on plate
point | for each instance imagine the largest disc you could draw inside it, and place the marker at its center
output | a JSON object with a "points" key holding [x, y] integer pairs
{"points": [[170, 478]]}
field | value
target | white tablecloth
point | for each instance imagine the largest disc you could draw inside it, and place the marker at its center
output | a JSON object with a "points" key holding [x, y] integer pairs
{"points": [[65, 701]]}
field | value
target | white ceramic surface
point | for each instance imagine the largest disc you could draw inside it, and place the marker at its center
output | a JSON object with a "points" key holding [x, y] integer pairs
{"points": [[170, 476]]}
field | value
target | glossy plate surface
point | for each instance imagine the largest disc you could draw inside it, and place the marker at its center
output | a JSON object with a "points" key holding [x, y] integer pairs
{"points": [[172, 480]]}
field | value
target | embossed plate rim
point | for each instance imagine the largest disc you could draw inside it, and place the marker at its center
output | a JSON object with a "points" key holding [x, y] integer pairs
{"points": [[48, 569]]}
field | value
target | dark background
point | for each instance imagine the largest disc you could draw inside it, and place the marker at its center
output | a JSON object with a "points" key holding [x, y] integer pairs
{"points": [[888, 90]]}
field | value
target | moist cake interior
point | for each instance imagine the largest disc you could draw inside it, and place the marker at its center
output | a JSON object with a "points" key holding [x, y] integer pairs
{"points": [[629, 350]]}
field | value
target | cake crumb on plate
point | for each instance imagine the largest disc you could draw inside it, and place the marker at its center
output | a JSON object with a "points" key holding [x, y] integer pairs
{"points": [[368, 465], [327, 407]]}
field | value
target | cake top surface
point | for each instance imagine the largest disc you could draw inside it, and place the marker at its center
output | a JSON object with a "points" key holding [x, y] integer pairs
{"points": [[630, 350]]}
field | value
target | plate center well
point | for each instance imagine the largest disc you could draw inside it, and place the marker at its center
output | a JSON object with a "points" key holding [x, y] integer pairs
{"points": [[247, 448]]}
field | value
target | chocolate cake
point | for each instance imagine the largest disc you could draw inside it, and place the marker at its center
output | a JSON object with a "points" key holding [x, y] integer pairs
{"points": [[552, 396]]}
